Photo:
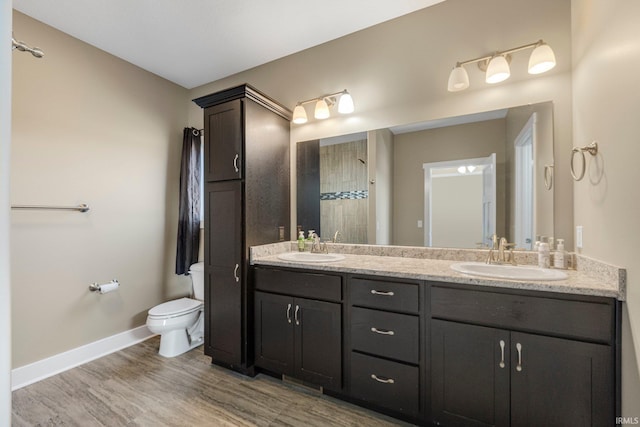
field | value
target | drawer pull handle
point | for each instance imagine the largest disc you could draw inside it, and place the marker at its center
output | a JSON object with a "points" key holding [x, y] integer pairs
{"points": [[502, 354], [382, 331], [235, 273], [519, 348], [295, 315], [382, 380], [383, 293], [235, 163], [289, 313]]}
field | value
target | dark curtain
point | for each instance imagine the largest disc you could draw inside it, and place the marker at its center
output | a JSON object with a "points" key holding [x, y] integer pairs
{"points": [[189, 212]]}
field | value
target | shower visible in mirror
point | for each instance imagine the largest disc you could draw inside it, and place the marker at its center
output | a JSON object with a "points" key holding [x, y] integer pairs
{"points": [[373, 188]]}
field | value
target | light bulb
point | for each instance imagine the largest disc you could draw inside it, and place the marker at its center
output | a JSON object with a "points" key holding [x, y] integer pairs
{"points": [[299, 115], [345, 105], [322, 110], [462, 169], [458, 79], [542, 59], [497, 70]]}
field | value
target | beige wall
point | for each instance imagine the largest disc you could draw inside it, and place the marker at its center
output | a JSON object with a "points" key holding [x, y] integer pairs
{"points": [[606, 61], [88, 127], [412, 150], [397, 72]]}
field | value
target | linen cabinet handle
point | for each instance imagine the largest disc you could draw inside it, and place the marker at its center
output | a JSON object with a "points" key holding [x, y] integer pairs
{"points": [[502, 354], [289, 313], [382, 380], [235, 163], [519, 348], [382, 331], [384, 293], [235, 273], [295, 315]]}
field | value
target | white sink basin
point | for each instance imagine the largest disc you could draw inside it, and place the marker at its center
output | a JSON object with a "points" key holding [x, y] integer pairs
{"points": [[510, 272], [310, 257]]}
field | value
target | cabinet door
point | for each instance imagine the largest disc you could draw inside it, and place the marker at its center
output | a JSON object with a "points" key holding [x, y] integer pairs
{"points": [[560, 382], [318, 348], [224, 270], [470, 375], [223, 147], [274, 332]]}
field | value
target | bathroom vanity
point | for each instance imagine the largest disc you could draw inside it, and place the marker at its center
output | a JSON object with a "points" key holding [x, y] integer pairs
{"points": [[412, 338]]}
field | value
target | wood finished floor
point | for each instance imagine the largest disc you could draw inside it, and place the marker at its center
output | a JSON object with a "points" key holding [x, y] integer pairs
{"points": [[137, 387]]}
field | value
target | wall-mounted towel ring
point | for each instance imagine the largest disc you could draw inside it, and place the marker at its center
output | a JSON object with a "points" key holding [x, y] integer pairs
{"points": [[591, 149], [548, 176]]}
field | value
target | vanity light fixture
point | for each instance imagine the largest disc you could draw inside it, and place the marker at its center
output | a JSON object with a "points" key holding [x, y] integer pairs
{"points": [[497, 68], [322, 105]]}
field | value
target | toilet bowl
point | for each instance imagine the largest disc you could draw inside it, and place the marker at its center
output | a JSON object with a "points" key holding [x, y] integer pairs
{"points": [[180, 322]]}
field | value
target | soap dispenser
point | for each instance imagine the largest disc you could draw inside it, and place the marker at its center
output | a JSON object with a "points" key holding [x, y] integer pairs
{"points": [[559, 256], [301, 241]]}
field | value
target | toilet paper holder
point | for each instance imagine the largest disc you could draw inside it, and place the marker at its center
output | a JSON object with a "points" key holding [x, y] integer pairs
{"points": [[104, 287]]}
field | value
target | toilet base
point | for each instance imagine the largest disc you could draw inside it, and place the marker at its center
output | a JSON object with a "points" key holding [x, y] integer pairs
{"points": [[174, 343]]}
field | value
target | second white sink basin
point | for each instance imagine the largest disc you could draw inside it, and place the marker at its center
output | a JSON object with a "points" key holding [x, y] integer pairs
{"points": [[509, 272], [310, 257]]}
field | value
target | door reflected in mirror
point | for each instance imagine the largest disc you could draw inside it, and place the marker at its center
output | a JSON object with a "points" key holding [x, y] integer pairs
{"points": [[372, 186]]}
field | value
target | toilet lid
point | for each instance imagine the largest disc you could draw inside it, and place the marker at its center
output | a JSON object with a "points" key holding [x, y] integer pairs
{"points": [[175, 307]]}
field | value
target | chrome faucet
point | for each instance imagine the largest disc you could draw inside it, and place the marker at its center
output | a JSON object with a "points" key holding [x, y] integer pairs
{"points": [[500, 245], [317, 246], [336, 236]]}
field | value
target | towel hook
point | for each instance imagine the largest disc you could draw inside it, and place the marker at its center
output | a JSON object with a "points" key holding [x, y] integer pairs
{"points": [[591, 149]]}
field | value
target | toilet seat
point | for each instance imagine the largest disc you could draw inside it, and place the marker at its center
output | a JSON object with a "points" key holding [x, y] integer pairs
{"points": [[175, 308]]}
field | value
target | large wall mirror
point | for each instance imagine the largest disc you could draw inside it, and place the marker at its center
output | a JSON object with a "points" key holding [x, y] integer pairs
{"points": [[446, 183]]}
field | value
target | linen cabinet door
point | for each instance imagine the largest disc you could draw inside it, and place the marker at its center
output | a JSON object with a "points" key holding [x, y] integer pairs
{"points": [[224, 286], [274, 332], [469, 375], [318, 337], [560, 382], [223, 149]]}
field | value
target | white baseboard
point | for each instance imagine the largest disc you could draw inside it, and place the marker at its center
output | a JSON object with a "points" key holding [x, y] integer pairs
{"points": [[53, 365]]}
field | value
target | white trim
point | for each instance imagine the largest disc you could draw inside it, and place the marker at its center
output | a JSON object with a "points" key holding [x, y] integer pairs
{"points": [[45, 368]]}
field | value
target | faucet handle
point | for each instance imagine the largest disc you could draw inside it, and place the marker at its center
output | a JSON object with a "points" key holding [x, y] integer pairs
{"points": [[336, 235]]}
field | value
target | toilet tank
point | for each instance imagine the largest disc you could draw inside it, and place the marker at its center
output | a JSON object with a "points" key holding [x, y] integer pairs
{"points": [[197, 280]]}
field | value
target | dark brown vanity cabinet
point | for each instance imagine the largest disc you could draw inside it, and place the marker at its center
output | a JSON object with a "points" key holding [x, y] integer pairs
{"points": [[507, 359], [246, 165], [298, 325], [385, 334]]}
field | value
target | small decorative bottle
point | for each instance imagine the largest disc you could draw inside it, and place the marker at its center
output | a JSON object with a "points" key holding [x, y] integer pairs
{"points": [[544, 259]]}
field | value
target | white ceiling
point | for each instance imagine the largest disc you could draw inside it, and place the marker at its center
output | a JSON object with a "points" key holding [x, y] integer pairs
{"points": [[199, 41]]}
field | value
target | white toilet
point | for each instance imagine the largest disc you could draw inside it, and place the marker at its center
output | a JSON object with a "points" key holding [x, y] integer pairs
{"points": [[180, 322]]}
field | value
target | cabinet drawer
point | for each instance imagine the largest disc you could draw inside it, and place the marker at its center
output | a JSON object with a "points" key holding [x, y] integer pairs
{"points": [[310, 285], [573, 319], [392, 335], [384, 294], [390, 384]]}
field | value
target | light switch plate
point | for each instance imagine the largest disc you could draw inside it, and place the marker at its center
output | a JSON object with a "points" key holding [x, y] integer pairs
{"points": [[579, 236]]}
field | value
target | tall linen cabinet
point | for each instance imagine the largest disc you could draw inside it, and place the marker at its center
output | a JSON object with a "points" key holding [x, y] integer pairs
{"points": [[246, 203]]}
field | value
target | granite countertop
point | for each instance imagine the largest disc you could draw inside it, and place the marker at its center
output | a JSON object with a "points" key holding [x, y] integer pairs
{"points": [[590, 277]]}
